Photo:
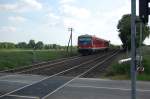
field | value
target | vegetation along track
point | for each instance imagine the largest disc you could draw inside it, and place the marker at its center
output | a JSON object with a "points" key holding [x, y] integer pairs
{"points": [[38, 65], [50, 65]]}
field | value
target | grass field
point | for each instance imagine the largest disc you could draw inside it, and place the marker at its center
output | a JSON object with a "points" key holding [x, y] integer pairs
{"points": [[122, 71], [15, 58]]}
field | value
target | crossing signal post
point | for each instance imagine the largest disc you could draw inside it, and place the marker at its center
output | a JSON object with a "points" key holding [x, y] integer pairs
{"points": [[133, 49], [144, 10]]}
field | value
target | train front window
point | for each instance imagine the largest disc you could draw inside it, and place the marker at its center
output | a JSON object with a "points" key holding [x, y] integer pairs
{"points": [[85, 40]]}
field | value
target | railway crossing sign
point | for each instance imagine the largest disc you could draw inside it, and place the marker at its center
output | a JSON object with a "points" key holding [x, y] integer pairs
{"points": [[140, 69]]}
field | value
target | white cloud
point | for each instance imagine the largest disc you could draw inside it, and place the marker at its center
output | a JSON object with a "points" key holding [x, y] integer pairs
{"points": [[16, 18], [147, 41], [73, 11], [7, 29], [73, 16], [21, 6], [103, 24], [118, 13], [8, 7], [53, 20], [32, 4], [53, 16], [66, 1]]}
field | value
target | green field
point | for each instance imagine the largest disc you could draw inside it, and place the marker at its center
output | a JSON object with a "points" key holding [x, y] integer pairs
{"points": [[15, 58], [122, 71]]}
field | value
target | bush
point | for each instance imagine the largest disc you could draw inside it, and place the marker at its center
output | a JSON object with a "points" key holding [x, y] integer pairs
{"points": [[146, 64], [121, 68]]}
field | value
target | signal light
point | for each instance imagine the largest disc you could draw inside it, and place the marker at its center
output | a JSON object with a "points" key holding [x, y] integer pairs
{"points": [[144, 10]]}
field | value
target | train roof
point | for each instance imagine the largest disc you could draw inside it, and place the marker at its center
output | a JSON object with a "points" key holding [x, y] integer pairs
{"points": [[87, 35]]}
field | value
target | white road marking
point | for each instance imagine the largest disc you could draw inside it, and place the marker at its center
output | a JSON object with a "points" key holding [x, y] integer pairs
{"points": [[14, 81], [4, 76], [24, 96], [96, 79], [109, 88]]}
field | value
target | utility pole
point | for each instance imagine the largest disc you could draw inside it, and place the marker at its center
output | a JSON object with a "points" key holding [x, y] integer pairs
{"points": [[70, 39], [133, 49]]}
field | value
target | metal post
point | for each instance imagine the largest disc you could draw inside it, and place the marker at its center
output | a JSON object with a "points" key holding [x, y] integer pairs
{"points": [[133, 49], [140, 46], [68, 45], [71, 40]]}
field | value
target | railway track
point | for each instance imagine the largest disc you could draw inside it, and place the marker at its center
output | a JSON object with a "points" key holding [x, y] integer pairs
{"points": [[41, 68], [87, 65], [58, 66], [66, 65], [54, 82], [99, 70]]}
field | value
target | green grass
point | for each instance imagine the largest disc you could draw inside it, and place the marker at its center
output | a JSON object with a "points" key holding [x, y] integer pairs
{"points": [[122, 71], [143, 77], [15, 58]]}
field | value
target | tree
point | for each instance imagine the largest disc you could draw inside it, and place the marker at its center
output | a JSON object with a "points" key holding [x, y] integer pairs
{"points": [[7, 45], [22, 45], [31, 44], [54, 46], [124, 28], [39, 45]]}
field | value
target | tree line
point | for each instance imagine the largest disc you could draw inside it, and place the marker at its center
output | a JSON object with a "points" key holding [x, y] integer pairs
{"points": [[30, 45]]}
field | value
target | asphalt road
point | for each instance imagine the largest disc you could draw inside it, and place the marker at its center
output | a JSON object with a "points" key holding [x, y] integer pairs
{"points": [[77, 89], [101, 89]]}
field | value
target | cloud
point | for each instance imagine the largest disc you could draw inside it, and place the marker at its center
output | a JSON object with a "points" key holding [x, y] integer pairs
{"points": [[7, 29], [66, 1], [73, 11], [72, 15], [21, 6], [69, 9], [147, 41], [32, 4], [53, 16], [8, 7], [53, 20], [98, 22], [16, 18]]}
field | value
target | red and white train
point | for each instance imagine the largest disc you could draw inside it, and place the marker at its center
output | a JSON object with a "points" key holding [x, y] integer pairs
{"points": [[88, 44]]}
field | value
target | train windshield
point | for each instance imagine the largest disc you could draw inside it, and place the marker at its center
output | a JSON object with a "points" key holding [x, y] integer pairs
{"points": [[85, 40]]}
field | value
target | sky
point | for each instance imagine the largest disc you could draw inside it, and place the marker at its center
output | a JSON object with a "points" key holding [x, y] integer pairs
{"points": [[49, 20]]}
